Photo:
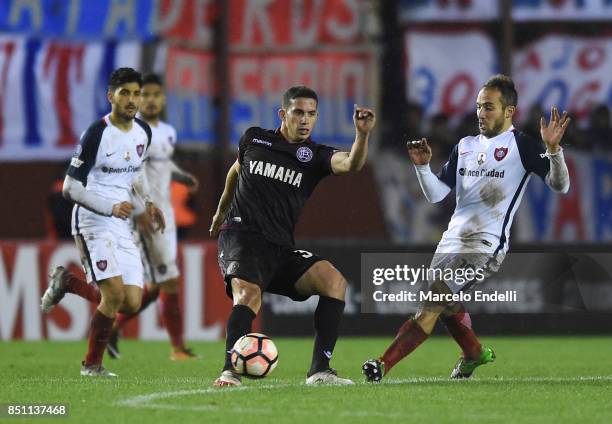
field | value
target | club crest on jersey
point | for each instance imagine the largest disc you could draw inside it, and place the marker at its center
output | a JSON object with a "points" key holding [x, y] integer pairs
{"points": [[162, 269], [102, 265], [140, 150], [482, 157], [500, 153], [304, 154]]}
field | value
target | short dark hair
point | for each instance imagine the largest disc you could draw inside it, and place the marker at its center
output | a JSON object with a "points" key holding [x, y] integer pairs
{"points": [[123, 75], [153, 79], [298, 91], [505, 85]]}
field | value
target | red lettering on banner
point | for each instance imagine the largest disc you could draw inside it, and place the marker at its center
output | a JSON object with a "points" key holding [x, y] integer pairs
{"points": [[584, 98], [8, 48], [257, 23], [451, 104], [569, 210], [591, 57], [23, 279], [63, 56]]}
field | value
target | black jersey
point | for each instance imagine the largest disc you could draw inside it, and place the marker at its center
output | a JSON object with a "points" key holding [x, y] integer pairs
{"points": [[276, 178]]}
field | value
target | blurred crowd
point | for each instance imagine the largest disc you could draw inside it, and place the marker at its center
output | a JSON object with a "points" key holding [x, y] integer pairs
{"points": [[442, 134]]}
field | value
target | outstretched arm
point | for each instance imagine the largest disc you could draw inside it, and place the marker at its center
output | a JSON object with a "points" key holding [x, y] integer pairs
{"points": [[226, 199], [433, 188], [552, 133], [345, 162]]}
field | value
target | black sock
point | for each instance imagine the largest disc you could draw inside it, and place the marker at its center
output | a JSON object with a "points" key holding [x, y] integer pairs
{"points": [[238, 324], [326, 322]]}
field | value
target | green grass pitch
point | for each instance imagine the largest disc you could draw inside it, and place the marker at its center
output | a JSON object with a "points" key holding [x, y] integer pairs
{"points": [[534, 380]]}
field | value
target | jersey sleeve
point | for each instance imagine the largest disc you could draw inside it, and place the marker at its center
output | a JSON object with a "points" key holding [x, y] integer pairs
{"points": [[532, 156], [84, 157], [242, 144], [448, 173], [324, 156]]}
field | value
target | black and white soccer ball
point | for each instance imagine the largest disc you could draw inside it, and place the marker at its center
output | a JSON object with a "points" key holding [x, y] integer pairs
{"points": [[254, 355]]}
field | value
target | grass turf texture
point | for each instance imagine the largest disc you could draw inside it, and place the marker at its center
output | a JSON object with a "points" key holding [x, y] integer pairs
{"points": [[534, 380]]}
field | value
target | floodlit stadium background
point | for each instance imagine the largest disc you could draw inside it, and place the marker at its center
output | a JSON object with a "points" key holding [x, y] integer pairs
{"points": [[419, 64]]}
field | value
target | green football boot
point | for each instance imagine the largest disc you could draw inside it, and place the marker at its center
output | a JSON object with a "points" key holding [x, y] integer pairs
{"points": [[465, 367]]}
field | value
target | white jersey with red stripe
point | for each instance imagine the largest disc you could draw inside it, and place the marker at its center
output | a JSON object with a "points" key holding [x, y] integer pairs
{"points": [[490, 176]]}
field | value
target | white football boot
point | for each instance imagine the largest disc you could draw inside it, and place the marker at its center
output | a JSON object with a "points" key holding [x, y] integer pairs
{"points": [[228, 379], [329, 376], [56, 290]]}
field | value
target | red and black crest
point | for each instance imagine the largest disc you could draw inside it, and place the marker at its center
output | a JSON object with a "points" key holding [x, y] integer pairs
{"points": [[101, 265], [140, 149], [500, 153]]}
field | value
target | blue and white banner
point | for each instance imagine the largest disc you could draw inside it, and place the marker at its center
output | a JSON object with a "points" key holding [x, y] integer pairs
{"points": [[570, 72], [450, 10], [445, 70], [50, 92], [584, 214]]}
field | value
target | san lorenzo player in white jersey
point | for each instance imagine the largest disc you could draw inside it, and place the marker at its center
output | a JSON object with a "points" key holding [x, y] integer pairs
{"points": [[489, 172], [102, 175], [158, 250]]}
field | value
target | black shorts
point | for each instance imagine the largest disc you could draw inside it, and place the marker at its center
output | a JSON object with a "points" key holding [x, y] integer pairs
{"points": [[275, 269]]}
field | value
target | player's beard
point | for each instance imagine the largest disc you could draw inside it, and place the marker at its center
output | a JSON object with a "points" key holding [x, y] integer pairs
{"points": [[149, 114], [496, 130]]}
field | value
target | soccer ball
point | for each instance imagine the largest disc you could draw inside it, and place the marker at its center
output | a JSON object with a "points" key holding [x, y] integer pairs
{"points": [[254, 355]]}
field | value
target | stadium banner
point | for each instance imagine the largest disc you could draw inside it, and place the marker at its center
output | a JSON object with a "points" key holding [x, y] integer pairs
{"points": [[296, 23], [449, 11], [51, 91], [572, 10], [258, 83], [253, 23], [487, 10], [23, 279], [447, 83], [582, 215], [572, 73], [340, 80]]}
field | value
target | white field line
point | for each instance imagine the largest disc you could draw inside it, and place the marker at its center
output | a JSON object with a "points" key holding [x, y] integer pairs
{"points": [[147, 401]]}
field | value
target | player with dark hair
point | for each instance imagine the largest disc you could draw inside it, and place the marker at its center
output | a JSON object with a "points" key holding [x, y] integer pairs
{"points": [[158, 250], [265, 192], [104, 171], [489, 172]]}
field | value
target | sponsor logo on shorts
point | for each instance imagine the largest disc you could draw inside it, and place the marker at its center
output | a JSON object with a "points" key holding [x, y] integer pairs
{"points": [[162, 269], [304, 154], [102, 265], [140, 150]]}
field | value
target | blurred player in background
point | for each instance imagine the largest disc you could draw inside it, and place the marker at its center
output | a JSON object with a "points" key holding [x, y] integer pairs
{"points": [[265, 191], [158, 250], [102, 174], [490, 172]]}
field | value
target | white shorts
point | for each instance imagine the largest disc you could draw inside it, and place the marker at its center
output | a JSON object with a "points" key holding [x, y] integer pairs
{"points": [[105, 255], [158, 255], [458, 257]]}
